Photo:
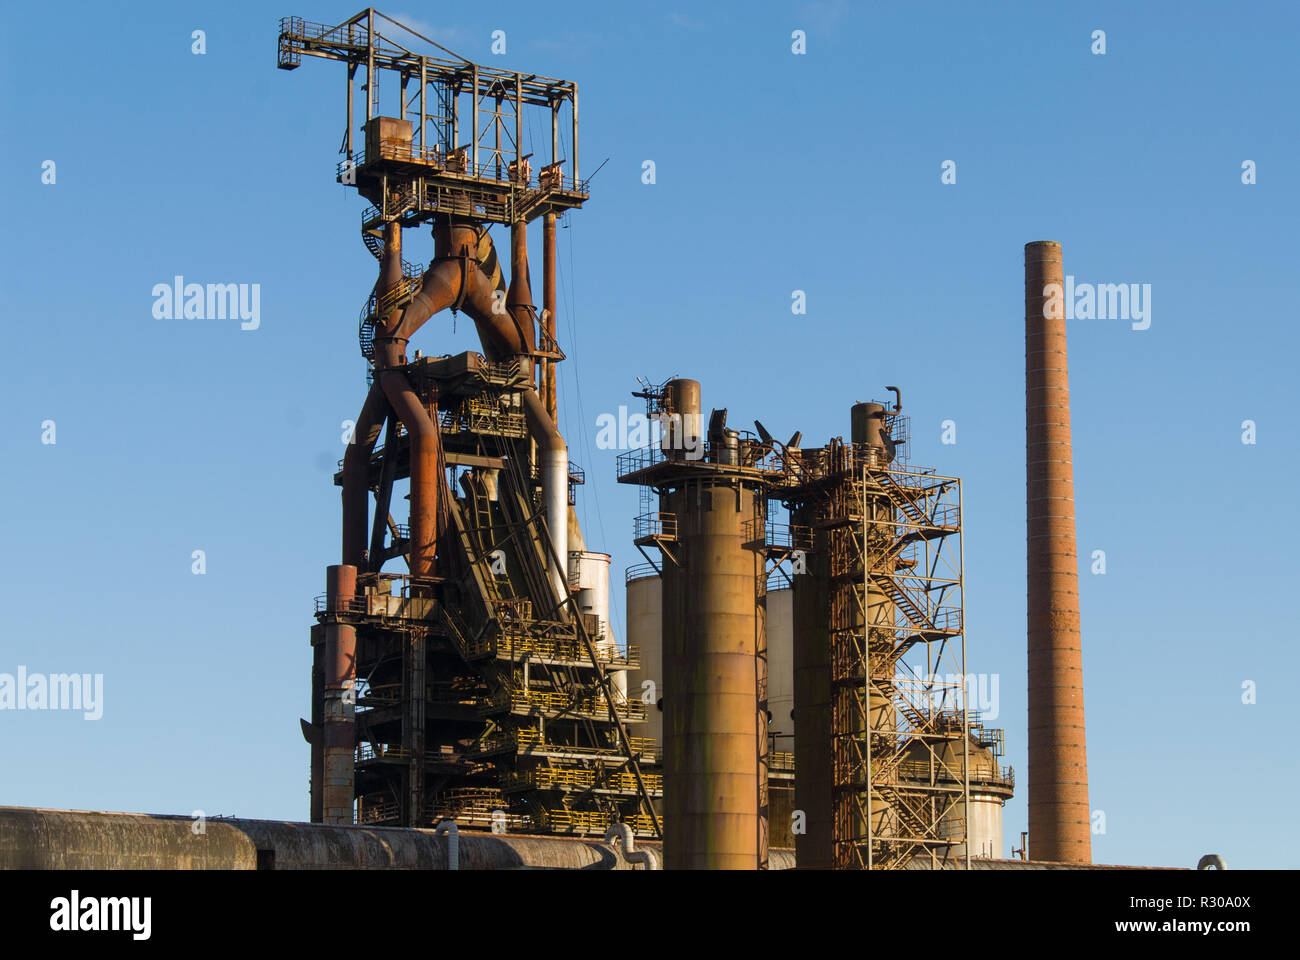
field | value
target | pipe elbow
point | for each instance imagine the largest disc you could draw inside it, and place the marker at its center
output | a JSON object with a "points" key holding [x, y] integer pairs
{"points": [[453, 842]]}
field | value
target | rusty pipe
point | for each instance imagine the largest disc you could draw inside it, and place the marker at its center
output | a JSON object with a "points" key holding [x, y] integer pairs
{"points": [[519, 300], [426, 452], [1059, 823], [548, 306], [339, 696], [465, 273], [356, 476], [553, 459]]}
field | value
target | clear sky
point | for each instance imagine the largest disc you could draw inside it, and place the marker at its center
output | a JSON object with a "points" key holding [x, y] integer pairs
{"points": [[775, 172]]}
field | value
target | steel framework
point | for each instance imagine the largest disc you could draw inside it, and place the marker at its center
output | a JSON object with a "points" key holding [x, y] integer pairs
{"points": [[900, 749]]}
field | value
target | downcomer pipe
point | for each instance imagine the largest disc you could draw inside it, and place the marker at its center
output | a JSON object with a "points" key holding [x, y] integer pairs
{"points": [[426, 441], [1059, 825]]}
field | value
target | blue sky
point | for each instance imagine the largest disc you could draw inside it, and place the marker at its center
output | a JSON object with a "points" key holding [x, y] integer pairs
{"points": [[774, 172]]}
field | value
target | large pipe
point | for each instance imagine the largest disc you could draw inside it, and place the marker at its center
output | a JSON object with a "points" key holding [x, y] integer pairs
{"points": [[1059, 827], [36, 839], [465, 274], [356, 476], [548, 305], [426, 441], [339, 734], [426, 448], [519, 299], [553, 461]]}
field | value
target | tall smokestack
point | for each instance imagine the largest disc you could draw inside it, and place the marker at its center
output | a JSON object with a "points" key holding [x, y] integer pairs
{"points": [[1058, 762]]}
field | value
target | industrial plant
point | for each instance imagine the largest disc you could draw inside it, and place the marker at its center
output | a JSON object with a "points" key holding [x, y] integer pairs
{"points": [[789, 688], [792, 673]]}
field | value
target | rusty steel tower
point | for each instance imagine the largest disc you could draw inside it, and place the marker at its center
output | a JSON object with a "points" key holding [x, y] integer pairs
{"points": [[883, 733], [1059, 824], [485, 684]]}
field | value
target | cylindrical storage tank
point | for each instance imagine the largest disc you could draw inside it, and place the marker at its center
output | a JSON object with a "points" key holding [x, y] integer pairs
{"points": [[989, 790], [589, 579], [714, 730], [867, 422], [645, 623], [681, 429], [986, 826]]}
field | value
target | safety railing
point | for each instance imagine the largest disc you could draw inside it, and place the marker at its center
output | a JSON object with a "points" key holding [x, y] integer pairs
{"points": [[790, 536], [780, 761], [456, 162], [548, 701], [640, 571], [658, 525]]}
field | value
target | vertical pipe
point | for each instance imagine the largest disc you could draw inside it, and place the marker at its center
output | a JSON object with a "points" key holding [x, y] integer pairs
{"points": [[965, 703], [555, 129], [548, 304], [356, 477], [519, 297], [425, 439], [339, 734], [317, 807], [575, 136], [519, 123], [554, 463], [1059, 826], [370, 64], [473, 104], [347, 134]]}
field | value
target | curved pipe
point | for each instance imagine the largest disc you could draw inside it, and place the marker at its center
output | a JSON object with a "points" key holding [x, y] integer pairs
{"points": [[519, 301], [466, 274], [453, 842], [1211, 861], [426, 441], [553, 461], [621, 831], [426, 451]]}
